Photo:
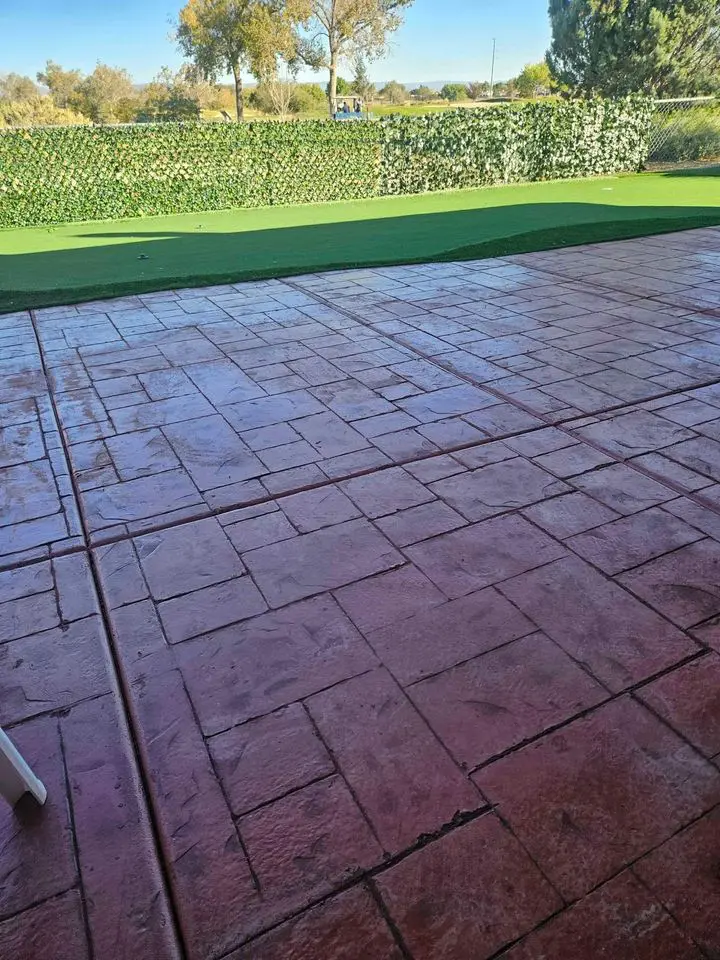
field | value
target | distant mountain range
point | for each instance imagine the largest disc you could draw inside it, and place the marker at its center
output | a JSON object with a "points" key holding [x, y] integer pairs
{"points": [[379, 84]]}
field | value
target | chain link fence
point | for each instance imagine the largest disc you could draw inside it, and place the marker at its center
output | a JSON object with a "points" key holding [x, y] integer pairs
{"points": [[685, 131]]}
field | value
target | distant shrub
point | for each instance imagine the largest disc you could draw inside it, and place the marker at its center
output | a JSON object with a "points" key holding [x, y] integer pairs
{"points": [[35, 112]]}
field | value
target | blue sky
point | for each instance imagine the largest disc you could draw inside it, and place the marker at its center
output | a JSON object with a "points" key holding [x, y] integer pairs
{"points": [[441, 39]]}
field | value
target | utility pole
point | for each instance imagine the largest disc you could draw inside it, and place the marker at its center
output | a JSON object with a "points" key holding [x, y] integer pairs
{"points": [[492, 71]]}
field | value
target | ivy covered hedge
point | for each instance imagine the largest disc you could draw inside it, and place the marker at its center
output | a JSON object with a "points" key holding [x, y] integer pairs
{"points": [[58, 174], [536, 141]]}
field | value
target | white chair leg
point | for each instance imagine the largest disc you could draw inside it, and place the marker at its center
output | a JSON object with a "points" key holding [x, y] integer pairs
{"points": [[16, 777]]}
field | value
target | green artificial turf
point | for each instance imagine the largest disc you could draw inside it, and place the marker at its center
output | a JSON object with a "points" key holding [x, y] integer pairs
{"points": [[80, 261]]}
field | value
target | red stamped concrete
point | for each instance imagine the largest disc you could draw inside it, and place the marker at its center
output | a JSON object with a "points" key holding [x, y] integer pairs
{"points": [[620, 920], [53, 930], [593, 796], [683, 875], [368, 616], [406, 783], [347, 927], [467, 894]]}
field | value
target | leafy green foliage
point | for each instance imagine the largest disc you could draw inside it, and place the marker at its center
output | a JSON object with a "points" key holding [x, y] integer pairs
{"points": [[343, 87], [394, 92], [106, 94], [55, 175], [534, 79], [616, 47], [535, 141], [453, 92], [291, 98], [171, 96], [61, 83], [308, 98], [362, 85], [423, 94]]}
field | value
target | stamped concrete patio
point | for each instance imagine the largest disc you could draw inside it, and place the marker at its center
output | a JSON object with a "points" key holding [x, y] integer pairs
{"points": [[369, 616]]}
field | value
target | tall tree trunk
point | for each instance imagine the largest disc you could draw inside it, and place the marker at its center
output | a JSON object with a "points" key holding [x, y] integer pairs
{"points": [[239, 94], [332, 92]]}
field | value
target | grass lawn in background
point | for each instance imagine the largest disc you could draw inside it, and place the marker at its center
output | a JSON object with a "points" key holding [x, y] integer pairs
{"points": [[41, 266], [408, 109]]}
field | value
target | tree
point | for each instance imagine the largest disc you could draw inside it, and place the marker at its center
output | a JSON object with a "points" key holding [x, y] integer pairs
{"points": [[170, 96], [534, 79], [350, 28], [229, 36], [296, 98], [475, 91], [209, 96], [423, 94], [281, 93], [343, 87], [14, 88], [394, 92], [616, 47], [62, 84], [453, 92], [102, 94], [362, 85]]}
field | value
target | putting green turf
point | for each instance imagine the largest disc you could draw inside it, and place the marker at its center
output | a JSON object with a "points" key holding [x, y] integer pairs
{"points": [[80, 261]]}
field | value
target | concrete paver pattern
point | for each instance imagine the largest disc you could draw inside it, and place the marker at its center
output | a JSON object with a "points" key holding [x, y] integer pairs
{"points": [[368, 616]]}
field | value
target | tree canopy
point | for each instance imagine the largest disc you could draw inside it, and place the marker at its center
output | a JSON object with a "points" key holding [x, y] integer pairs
{"points": [[394, 92], [103, 93], [15, 87], [283, 97], [348, 29], [62, 84], [343, 87], [171, 96], [229, 36], [423, 94], [534, 79], [362, 84], [453, 92], [616, 47]]}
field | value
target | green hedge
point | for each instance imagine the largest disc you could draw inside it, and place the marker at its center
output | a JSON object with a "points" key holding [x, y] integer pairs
{"points": [[537, 141], [58, 174]]}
